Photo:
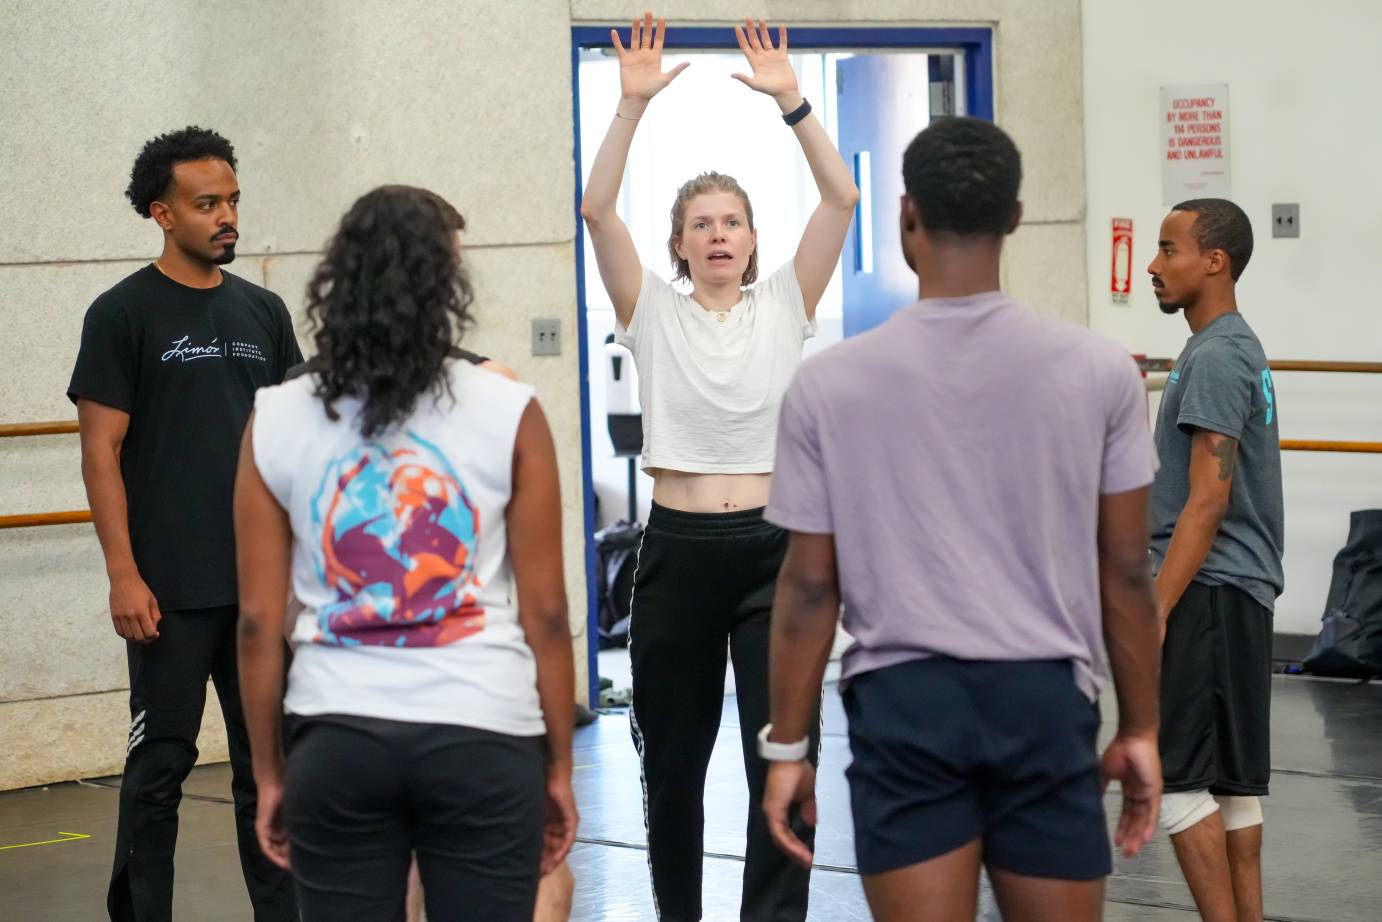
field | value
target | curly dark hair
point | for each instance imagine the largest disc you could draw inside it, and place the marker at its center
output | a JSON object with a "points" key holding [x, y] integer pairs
{"points": [[152, 173], [963, 174], [1221, 225], [387, 304]]}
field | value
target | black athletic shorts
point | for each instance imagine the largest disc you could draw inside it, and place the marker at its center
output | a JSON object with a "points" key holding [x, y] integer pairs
{"points": [[1216, 693], [949, 751]]}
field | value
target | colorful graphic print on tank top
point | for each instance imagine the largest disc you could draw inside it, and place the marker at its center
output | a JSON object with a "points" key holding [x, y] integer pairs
{"points": [[397, 543]]}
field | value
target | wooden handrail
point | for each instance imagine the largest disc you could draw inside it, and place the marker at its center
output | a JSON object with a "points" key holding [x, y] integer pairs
{"points": [[28, 520], [1367, 368], [1163, 364], [55, 427], [1367, 448], [83, 515]]}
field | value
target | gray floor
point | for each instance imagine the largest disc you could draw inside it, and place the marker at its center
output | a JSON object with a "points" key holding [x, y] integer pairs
{"points": [[1322, 858]]}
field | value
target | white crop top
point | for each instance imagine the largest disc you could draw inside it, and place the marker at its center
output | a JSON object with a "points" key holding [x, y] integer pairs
{"points": [[400, 555], [711, 384]]}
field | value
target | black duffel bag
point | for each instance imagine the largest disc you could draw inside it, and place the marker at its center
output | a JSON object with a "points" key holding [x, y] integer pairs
{"points": [[1350, 641], [616, 550]]}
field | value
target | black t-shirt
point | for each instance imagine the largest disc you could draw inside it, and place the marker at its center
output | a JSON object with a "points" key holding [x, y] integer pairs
{"points": [[184, 363]]}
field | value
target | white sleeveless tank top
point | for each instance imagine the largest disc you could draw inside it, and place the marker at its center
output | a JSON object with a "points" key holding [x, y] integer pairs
{"points": [[400, 555]]}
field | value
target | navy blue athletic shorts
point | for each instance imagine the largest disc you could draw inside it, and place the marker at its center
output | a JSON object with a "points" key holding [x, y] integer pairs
{"points": [[949, 751]]}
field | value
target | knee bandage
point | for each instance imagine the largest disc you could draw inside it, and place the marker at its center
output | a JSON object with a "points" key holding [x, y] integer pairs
{"points": [[1183, 809], [1240, 812]]}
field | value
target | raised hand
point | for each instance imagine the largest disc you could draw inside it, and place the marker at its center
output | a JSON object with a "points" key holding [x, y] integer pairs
{"points": [[772, 71], [640, 65]]}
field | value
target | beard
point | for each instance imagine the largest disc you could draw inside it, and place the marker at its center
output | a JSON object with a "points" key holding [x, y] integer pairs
{"points": [[227, 255], [1166, 304]]}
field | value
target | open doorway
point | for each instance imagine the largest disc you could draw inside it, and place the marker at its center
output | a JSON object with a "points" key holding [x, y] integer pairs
{"points": [[871, 89]]}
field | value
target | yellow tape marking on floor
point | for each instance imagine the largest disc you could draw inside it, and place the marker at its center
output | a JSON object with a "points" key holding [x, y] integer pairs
{"points": [[68, 837]]}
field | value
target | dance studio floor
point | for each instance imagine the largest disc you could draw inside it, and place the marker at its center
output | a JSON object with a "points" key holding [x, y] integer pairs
{"points": [[1322, 857]]}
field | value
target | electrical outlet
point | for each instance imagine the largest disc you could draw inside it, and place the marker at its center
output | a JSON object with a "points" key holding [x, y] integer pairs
{"points": [[1286, 220], [546, 336]]}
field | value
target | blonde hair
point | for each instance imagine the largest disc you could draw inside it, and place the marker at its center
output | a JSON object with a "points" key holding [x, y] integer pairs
{"points": [[702, 184]]}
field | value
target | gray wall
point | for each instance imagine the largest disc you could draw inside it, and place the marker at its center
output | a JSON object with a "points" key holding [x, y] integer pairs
{"points": [[324, 101]]}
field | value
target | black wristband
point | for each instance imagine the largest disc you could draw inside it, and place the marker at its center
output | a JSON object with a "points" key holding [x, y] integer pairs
{"points": [[797, 114]]}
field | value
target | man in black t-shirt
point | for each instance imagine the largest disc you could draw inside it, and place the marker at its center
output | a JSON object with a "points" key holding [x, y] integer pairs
{"points": [[164, 383]]}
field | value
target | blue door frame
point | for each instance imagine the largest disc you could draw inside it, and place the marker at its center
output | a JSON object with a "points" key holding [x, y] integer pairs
{"points": [[977, 45]]}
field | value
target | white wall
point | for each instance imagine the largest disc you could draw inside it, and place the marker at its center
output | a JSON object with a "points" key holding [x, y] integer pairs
{"points": [[1303, 128]]}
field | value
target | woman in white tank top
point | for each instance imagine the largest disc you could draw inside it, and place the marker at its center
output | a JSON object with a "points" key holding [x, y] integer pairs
{"points": [[411, 501], [712, 367]]}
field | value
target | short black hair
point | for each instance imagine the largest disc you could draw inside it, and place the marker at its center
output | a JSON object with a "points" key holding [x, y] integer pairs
{"points": [[153, 168], [963, 174], [1221, 225]]}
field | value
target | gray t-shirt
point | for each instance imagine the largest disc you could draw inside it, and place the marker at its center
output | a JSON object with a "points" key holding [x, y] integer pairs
{"points": [[1221, 382], [957, 453]]}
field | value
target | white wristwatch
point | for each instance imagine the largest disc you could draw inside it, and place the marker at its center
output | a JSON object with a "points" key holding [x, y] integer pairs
{"points": [[781, 752]]}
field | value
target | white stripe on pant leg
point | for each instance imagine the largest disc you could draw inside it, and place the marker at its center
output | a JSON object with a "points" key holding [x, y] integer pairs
{"points": [[136, 735], [637, 731]]}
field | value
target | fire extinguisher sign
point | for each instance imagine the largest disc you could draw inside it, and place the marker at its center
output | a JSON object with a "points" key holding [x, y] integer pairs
{"points": [[1120, 280]]}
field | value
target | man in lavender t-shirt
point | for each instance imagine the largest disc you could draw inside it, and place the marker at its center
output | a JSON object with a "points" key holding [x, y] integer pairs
{"points": [[970, 479]]}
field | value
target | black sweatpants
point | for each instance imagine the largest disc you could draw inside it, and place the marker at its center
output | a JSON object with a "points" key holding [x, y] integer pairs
{"points": [[361, 795], [704, 582], [167, 697]]}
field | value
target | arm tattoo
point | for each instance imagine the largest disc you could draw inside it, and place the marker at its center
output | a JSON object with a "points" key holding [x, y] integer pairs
{"points": [[1226, 450]]}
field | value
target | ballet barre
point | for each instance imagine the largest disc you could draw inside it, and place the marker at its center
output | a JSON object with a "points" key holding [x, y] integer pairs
{"points": [[53, 427], [34, 519], [81, 516], [1151, 365]]}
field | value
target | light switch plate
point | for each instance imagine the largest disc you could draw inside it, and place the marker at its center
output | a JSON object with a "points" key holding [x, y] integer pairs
{"points": [[1286, 220], [546, 336]]}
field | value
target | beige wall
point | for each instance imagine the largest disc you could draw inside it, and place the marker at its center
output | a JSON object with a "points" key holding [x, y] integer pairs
{"points": [[324, 101]]}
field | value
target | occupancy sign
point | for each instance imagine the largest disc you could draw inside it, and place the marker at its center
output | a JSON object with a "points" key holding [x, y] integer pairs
{"points": [[1194, 142]]}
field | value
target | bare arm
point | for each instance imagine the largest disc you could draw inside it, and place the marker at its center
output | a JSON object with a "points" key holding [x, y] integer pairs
{"points": [[263, 547], [1129, 610], [824, 236], [133, 608], [1212, 459], [640, 79], [534, 528], [806, 607], [1134, 652]]}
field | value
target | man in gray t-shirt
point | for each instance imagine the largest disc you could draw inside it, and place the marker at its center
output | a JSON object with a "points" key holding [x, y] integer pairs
{"points": [[1217, 531], [970, 478], [1221, 384]]}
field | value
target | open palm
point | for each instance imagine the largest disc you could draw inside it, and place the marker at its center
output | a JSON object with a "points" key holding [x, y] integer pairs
{"points": [[772, 71], [640, 65]]}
